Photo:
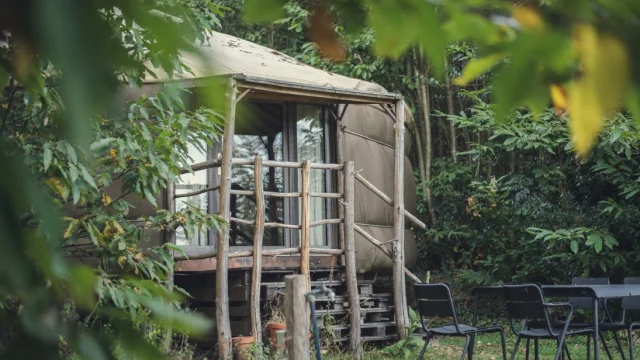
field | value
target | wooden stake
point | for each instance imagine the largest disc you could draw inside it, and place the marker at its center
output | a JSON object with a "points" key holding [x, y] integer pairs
{"points": [[386, 251], [297, 338], [388, 200], [305, 233], [399, 290], [340, 160], [350, 259], [223, 324], [256, 276], [169, 239]]}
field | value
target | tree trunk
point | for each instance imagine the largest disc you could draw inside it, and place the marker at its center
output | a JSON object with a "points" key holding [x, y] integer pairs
{"points": [[423, 93], [451, 111]]}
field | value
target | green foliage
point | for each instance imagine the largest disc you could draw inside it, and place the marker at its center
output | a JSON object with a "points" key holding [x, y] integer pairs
{"points": [[405, 348], [523, 209], [67, 146]]}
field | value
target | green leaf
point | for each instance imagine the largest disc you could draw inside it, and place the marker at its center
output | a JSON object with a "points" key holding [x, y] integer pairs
{"points": [[73, 172], [102, 143], [47, 156], [595, 239], [574, 246], [477, 67], [263, 10], [87, 177], [71, 153], [149, 196]]}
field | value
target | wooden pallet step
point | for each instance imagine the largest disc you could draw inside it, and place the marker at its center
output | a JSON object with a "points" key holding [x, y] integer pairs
{"points": [[362, 326], [388, 309]]}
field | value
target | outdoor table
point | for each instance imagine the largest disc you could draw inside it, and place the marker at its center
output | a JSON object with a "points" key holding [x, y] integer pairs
{"points": [[596, 292]]}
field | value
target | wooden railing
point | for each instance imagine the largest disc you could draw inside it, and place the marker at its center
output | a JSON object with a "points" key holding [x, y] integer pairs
{"points": [[346, 217]]}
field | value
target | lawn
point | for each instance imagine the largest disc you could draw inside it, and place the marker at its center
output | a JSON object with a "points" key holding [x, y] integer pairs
{"points": [[487, 348]]}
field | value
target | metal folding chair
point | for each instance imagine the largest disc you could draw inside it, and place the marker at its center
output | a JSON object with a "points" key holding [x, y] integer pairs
{"points": [[526, 303], [435, 301]]}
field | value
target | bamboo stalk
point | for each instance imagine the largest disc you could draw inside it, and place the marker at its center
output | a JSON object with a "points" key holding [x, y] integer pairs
{"points": [[388, 200], [256, 276], [223, 324], [350, 259], [305, 233]]}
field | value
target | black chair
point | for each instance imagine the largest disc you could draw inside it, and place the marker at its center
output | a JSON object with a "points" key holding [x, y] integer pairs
{"points": [[629, 303], [526, 303], [435, 301]]}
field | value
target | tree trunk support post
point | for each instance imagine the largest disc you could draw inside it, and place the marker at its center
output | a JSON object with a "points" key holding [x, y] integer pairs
{"points": [[297, 336], [399, 287], [169, 238], [350, 259], [223, 324], [340, 109], [256, 276], [305, 231]]}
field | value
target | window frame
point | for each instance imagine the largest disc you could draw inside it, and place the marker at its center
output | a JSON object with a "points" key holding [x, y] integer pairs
{"points": [[290, 177]]}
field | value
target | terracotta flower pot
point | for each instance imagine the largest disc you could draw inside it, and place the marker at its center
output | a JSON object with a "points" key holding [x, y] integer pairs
{"points": [[273, 328], [242, 346]]}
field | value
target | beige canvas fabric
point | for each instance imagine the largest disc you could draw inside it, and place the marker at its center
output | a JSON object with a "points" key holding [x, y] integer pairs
{"points": [[224, 54]]}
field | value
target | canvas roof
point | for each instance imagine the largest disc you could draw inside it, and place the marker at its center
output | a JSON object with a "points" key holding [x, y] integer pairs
{"points": [[224, 54]]}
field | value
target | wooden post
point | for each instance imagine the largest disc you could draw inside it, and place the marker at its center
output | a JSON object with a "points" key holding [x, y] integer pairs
{"points": [[350, 259], [223, 324], [305, 232], [340, 160], [169, 238], [297, 338], [256, 276], [399, 289]]}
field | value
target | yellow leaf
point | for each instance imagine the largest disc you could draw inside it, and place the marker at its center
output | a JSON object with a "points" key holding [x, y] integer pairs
{"points": [[528, 17], [72, 226], [138, 256], [121, 260], [477, 67], [559, 98], [106, 199], [118, 227], [602, 87], [56, 185]]}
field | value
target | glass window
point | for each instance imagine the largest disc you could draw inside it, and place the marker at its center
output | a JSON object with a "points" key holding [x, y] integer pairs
{"points": [[310, 145], [267, 147], [188, 183]]}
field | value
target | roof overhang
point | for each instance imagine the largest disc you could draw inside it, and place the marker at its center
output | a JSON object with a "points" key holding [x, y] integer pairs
{"points": [[278, 90]]}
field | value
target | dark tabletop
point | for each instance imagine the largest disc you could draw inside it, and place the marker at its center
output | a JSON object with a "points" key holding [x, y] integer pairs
{"points": [[594, 291]]}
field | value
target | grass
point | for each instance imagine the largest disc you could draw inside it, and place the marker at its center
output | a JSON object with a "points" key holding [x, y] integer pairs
{"points": [[488, 348]]}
